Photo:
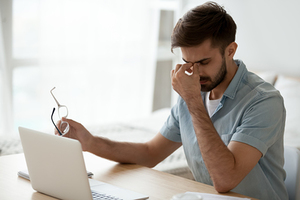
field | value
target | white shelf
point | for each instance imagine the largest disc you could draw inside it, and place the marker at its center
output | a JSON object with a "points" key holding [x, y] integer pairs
{"points": [[165, 59]]}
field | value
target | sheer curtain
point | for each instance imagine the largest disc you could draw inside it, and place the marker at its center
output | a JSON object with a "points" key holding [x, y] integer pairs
{"points": [[5, 100], [100, 55]]}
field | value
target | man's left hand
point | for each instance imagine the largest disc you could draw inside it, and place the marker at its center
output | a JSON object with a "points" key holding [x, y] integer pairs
{"points": [[186, 81]]}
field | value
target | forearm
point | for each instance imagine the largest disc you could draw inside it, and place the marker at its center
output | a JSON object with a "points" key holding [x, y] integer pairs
{"points": [[227, 165], [122, 152], [148, 154], [218, 159]]}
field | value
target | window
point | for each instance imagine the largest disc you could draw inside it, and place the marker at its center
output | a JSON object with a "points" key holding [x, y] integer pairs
{"points": [[100, 55]]}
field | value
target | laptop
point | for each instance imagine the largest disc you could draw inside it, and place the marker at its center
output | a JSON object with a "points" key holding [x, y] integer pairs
{"points": [[56, 167]]}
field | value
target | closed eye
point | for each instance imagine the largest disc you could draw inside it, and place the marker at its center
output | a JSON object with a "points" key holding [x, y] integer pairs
{"points": [[185, 60], [204, 61]]}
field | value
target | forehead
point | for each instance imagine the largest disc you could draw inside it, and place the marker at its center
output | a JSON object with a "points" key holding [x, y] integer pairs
{"points": [[202, 51]]}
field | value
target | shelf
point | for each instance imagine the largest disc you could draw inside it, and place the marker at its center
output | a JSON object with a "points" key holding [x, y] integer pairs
{"points": [[165, 59]]}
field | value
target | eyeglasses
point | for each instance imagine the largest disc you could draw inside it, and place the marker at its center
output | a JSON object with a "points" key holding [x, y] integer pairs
{"points": [[64, 126]]}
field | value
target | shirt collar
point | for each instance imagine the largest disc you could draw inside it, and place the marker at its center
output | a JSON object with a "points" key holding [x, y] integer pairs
{"points": [[231, 90]]}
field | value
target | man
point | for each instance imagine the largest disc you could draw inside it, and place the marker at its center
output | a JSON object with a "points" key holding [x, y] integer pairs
{"points": [[229, 121]]}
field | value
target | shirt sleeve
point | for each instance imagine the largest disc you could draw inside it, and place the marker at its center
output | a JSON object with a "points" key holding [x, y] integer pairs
{"points": [[171, 129], [262, 124]]}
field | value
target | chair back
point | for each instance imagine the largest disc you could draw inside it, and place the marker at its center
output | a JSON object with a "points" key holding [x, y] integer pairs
{"points": [[292, 168]]}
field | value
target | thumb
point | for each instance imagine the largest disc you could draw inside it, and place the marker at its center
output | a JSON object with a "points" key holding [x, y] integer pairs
{"points": [[71, 122]]}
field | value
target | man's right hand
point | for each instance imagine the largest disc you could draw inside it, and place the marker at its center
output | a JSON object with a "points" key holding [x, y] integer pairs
{"points": [[77, 131], [148, 153]]}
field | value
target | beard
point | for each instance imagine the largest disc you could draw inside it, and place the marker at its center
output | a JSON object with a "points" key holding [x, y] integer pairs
{"points": [[217, 80]]}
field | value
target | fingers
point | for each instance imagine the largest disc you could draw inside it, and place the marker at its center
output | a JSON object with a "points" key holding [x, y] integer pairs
{"points": [[62, 125], [173, 71], [55, 128], [65, 126], [178, 66], [187, 66], [56, 132], [182, 68], [70, 121], [190, 69], [196, 70], [75, 125]]}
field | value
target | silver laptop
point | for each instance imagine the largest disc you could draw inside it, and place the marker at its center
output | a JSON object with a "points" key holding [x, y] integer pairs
{"points": [[56, 168]]}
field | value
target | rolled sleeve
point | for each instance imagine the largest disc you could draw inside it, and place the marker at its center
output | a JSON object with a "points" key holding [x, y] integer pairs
{"points": [[170, 129], [252, 141], [262, 124]]}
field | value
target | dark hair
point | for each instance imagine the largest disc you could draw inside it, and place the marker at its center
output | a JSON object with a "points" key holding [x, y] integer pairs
{"points": [[207, 21]]}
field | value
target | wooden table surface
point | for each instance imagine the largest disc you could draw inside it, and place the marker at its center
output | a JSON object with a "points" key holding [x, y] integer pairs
{"points": [[155, 184]]}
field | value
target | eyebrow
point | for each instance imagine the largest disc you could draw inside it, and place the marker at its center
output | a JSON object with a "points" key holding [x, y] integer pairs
{"points": [[199, 61]]}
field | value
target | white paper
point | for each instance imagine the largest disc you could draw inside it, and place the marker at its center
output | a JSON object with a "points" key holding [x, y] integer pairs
{"points": [[207, 196]]}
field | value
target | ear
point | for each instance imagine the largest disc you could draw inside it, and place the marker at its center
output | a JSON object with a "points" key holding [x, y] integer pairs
{"points": [[231, 49]]}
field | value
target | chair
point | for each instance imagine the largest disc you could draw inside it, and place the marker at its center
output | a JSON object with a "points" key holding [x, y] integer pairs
{"points": [[292, 168]]}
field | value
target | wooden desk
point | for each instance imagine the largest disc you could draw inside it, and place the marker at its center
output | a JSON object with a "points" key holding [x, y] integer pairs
{"points": [[155, 184]]}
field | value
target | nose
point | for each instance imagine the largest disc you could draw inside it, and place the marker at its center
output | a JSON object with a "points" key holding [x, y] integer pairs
{"points": [[198, 67]]}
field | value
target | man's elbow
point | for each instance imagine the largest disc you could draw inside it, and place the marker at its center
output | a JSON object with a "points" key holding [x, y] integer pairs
{"points": [[151, 165], [221, 189], [224, 186]]}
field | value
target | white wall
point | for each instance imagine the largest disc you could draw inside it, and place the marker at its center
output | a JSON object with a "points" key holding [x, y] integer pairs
{"points": [[268, 33]]}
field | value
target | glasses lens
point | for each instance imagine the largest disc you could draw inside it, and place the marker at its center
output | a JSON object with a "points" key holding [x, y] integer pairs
{"points": [[62, 111], [64, 127]]}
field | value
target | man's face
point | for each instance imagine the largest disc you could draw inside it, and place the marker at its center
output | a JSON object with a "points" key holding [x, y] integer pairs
{"points": [[210, 62]]}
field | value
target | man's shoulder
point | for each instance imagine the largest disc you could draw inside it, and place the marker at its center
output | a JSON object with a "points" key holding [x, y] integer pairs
{"points": [[256, 94], [249, 81], [256, 85]]}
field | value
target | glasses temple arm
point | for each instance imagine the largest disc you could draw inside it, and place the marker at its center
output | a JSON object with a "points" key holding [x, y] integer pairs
{"points": [[54, 97], [54, 123]]}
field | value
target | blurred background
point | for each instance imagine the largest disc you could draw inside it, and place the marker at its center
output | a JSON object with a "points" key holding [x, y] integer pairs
{"points": [[110, 60]]}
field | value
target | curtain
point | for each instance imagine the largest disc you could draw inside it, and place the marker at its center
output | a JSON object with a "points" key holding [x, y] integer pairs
{"points": [[5, 100], [100, 55]]}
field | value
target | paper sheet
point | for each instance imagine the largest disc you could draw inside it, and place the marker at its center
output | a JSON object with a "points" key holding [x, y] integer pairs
{"points": [[207, 196]]}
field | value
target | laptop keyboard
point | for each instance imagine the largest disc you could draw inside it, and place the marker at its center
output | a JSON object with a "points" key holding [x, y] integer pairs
{"points": [[98, 196]]}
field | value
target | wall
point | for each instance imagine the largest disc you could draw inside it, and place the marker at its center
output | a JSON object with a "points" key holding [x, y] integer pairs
{"points": [[267, 33]]}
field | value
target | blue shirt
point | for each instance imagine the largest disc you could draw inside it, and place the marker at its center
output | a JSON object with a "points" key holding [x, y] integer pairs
{"points": [[251, 111]]}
